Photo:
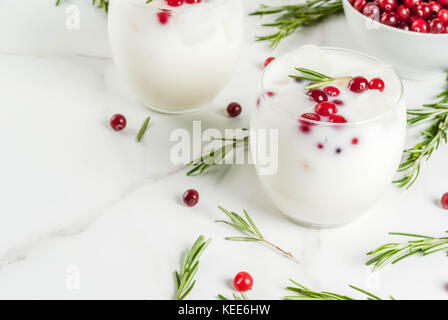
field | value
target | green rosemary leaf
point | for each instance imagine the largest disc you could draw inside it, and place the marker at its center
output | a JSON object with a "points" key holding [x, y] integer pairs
{"points": [[189, 268], [318, 79], [242, 239], [143, 129], [307, 294], [293, 17], [395, 252], [437, 116], [212, 158], [252, 224], [243, 296]]}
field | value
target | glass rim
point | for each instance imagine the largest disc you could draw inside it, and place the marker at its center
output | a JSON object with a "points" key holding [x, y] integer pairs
{"points": [[177, 10], [393, 108]]}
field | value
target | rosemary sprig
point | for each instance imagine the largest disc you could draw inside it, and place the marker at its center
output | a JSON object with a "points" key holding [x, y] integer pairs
{"points": [[437, 115], [213, 157], [318, 79], [242, 296], [189, 268], [248, 227], [292, 17], [143, 129], [307, 294], [392, 253]]}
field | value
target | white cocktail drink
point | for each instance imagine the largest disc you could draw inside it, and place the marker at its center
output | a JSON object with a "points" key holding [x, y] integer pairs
{"points": [[338, 151], [176, 55]]}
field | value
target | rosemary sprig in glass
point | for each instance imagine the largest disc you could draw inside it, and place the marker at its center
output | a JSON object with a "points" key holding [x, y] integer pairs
{"points": [[235, 297], [248, 227], [392, 253], [214, 157], [292, 17], [437, 115], [307, 294], [318, 79], [190, 265]]}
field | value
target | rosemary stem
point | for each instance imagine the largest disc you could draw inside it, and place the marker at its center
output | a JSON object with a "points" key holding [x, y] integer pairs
{"points": [[288, 254]]}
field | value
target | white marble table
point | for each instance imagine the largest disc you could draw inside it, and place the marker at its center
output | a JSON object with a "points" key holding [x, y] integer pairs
{"points": [[80, 199]]}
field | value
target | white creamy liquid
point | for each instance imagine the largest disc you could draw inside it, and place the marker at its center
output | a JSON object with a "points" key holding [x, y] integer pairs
{"points": [[323, 178], [180, 65]]}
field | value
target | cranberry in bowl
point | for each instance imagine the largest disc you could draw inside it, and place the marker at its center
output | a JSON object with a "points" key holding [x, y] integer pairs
{"points": [[334, 160], [409, 34]]}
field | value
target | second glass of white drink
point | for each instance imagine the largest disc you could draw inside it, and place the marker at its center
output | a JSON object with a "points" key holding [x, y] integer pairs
{"points": [[176, 55]]}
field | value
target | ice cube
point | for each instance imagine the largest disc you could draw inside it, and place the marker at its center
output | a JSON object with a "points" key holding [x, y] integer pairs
{"points": [[369, 105], [196, 25], [292, 102]]}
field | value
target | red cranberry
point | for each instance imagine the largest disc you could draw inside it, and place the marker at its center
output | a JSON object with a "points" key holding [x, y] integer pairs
{"points": [[444, 201], [338, 102], [355, 141], [389, 18], [193, 1], [164, 16], [118, 122], [310, 116], [332, 91], [174, 3], [403, 13], [376, 84], [268, 61], [372, 11], [437, 26], [411, 3], [234, 109], [358, 84], [443, 15], [412, 19], [403, 26], [422, 10], [305, 128], [243, 282], [388, 5], [320, 146], [444, 3], [326, 109], [338, 150], [435, 6], [270, 94], [337, 119], [190, 198], [420, 25], [318, 95], [359, 4]]}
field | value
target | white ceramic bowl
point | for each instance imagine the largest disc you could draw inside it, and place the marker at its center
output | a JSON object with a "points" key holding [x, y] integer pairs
{"points": [[416, 56]]}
